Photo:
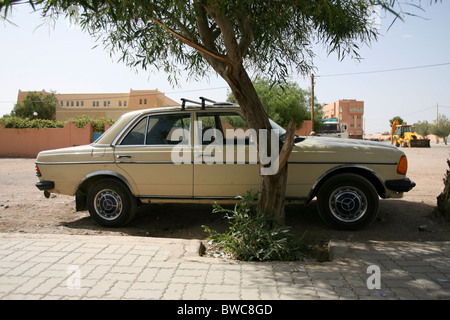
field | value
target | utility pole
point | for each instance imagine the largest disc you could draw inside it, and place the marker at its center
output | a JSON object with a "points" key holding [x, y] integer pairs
{"points": [[437, 113], [312, 102]]}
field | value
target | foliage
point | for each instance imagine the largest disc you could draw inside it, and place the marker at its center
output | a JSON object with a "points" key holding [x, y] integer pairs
{"points": [[98, 125], [423, 128], [252, 236], [442, 128], [400, 121], [284, 101], [23, 123], [37, 105]]}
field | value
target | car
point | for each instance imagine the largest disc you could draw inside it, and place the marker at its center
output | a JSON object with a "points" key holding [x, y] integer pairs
{"points": [[206, 152]]}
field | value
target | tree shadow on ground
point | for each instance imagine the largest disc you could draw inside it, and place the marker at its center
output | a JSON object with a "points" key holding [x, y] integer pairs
{"points": [[398, 220]]}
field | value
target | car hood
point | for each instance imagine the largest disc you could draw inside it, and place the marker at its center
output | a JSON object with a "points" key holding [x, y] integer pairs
{"points": [[345, 150], [349, 143]]}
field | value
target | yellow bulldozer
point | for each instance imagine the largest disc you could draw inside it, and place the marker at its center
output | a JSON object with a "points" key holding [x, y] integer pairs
{"points": [[403, 135]]}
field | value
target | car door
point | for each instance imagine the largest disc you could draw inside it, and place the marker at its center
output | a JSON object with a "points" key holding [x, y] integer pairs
{"points": [[157, 153], [225, 156]]}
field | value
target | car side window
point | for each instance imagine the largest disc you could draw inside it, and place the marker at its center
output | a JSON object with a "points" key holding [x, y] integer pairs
{"points": [[228, 127], [161, 129], [137, 135], [168, 129]]}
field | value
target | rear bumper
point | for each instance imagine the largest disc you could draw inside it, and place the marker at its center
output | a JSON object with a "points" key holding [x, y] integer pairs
{"points": [[45, 185], [402, 185]]}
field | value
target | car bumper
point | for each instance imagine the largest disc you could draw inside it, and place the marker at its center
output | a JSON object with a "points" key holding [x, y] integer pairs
{"points": [[401, 185], [45, 185]]}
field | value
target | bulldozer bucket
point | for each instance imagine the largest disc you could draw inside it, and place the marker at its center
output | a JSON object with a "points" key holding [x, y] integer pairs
{"points": [[419, 143]]}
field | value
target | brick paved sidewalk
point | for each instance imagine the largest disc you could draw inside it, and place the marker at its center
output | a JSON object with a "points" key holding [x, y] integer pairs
{"points": [[37, 266]]}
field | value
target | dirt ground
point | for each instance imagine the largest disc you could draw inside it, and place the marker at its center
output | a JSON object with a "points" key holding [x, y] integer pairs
{"points": [[23, 208]]}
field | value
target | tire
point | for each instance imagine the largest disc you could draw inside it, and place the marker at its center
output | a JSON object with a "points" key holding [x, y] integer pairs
{"points": [[110, 203], [348, 201]]}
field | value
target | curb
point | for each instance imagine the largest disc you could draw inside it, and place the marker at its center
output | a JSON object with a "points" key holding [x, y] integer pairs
{"points": [[338, 249]]}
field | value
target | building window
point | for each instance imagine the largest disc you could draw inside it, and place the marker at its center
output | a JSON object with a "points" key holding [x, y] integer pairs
{"points": [[109, 103], [104, 103], [78, 103], [93, 103], [71, 103], [82, 103], [67, 104], [124, 103], [145, 101], [140, 101], [120, 103]]}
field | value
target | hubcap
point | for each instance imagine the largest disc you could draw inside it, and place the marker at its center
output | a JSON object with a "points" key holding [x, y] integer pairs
{"points": [[108, 204], [348, 204]]}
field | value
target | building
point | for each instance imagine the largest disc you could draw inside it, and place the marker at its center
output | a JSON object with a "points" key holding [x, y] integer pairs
{"points": [[104, 105], [350, 114]]}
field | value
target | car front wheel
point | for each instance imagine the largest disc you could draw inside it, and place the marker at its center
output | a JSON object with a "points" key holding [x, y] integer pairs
{"points": [[348, 201], [111, 203]]}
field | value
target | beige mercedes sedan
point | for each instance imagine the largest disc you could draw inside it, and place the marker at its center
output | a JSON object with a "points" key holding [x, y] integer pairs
{"points": [[207, 153]]}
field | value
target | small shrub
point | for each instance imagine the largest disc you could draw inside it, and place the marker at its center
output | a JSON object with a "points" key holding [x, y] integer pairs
{"points": [[98, 125], [252, 236], [24, 123]]}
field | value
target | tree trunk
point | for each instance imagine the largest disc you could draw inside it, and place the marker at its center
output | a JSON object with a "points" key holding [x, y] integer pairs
{"points": [[272, 187]]}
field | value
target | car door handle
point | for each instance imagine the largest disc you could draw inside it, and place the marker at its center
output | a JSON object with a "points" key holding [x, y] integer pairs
{"points": [[124, 157]]}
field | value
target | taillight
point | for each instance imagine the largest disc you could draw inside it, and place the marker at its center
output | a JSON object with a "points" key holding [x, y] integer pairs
{"points": [[38, 172], [402, 166]]}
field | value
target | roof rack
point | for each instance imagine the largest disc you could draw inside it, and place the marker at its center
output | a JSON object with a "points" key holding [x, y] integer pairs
{"points": [[202, 103]]}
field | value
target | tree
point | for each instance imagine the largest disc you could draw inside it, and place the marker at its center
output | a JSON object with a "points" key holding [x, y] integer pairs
{"points": [[423, 128], [400, 120], [283, 102], [37, 105], [232, 38], [442, 128]]}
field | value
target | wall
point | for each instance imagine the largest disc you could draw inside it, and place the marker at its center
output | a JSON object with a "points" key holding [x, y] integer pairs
{"points": [[29, 142], [305, 129]]}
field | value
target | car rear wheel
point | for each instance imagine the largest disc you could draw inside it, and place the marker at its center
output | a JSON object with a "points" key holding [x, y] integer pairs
{"points": [[111, 203], [348, 201]]}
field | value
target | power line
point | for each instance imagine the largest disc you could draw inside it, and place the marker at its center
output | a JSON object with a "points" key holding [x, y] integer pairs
{"points": [[385, 70]]}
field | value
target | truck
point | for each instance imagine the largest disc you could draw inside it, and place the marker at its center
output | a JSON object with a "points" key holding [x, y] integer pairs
{"points": [[332, 128], [404, 135]]}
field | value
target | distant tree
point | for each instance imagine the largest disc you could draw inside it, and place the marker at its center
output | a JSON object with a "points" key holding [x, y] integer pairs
{"points": [[423, 128], [400, 120], [37, 105], [283, 101], [442, 128]]}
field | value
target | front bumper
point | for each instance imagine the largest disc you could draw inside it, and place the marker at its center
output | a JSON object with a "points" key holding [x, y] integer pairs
{"points": [[401, 185], [45, 185]]}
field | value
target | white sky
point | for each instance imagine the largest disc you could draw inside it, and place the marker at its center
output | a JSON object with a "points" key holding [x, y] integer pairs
{"points": [[62, 59]]}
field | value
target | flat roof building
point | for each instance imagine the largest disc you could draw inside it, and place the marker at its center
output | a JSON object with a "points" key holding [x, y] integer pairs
{"points": [[104, 105], [349, 113]]}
